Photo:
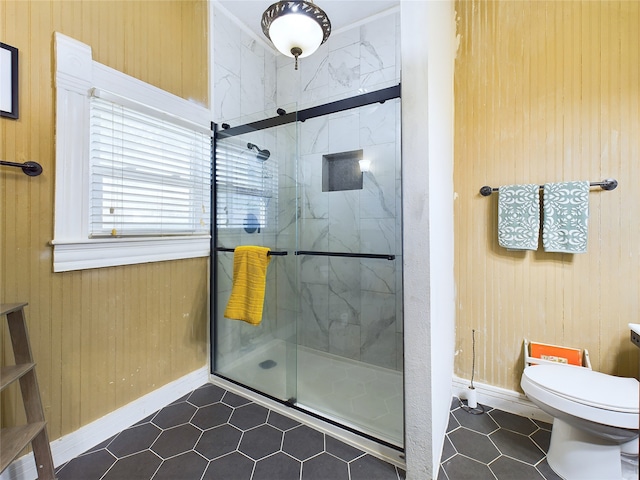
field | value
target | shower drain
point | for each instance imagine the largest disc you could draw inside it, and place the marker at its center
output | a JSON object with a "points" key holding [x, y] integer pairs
{"points": [[268, 364]]}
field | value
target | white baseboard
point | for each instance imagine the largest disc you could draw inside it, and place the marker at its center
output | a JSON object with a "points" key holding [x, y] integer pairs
{"points": [[501, 398], [75, 443]]}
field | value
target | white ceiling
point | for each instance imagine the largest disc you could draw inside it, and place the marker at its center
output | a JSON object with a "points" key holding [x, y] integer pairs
{"points": [[341, 13]]}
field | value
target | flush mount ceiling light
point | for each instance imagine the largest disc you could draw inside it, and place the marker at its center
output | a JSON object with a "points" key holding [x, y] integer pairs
{"points": [[296, 28]]}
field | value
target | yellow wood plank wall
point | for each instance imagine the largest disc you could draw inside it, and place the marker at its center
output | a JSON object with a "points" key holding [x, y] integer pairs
{"points": [[547, 91], [105, 337]]}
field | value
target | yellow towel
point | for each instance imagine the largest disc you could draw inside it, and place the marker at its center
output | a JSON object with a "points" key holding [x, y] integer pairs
{"points": [[249, 283]]}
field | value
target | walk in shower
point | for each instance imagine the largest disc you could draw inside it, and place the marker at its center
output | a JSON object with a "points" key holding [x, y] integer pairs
{"points": [[321, 187]]}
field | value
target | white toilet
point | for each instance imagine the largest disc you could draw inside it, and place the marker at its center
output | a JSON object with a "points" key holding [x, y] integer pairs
{"points": [[595, 419]]}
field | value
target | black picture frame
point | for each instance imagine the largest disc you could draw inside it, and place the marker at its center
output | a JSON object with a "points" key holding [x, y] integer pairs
{"points": [[8, 81]]}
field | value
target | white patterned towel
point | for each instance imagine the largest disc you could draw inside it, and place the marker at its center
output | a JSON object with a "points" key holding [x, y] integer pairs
{"points": [[566, 217], [519, 216]]}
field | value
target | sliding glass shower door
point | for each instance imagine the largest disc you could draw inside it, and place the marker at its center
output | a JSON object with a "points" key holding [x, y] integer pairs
{"points": [[350, 286], [256, 204], [325, 195]]}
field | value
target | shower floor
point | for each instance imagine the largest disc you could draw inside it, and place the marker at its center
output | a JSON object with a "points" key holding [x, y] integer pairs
{"points": [[358, 395]]}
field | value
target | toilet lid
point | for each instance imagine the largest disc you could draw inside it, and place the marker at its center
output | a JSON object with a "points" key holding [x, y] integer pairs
{"points": [[587, 387]]}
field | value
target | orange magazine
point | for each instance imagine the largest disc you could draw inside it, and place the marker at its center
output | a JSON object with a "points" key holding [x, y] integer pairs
{"points": [[554, 353]]}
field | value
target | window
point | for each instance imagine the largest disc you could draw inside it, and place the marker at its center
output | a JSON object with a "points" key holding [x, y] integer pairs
{"points": [[133, 169], [246, 182], [148, 176]]}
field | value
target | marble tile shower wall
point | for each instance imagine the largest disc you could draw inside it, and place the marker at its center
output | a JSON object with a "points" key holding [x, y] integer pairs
{"points": [[350, 307], [244, 74], [250, 79], [358, 60]]}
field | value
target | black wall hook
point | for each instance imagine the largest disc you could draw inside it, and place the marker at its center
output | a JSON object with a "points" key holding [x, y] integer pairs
{"points": [[33, 169]]}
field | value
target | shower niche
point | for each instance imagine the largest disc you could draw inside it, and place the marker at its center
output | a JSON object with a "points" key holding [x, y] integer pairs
{"points": [[342, 171], [326, 201]]}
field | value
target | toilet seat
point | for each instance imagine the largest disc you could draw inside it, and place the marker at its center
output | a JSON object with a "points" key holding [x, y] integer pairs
{"points": [[590, 388], [584, 393]]}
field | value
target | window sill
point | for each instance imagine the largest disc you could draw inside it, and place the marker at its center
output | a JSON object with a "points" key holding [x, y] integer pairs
{"points": [[98, 253]]}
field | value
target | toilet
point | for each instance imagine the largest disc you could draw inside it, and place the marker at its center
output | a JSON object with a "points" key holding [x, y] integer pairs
{"points": [[595, 419]]}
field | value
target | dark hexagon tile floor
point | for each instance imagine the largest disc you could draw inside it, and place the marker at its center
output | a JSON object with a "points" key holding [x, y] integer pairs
{"points": [[215, 434], [495, 445]]}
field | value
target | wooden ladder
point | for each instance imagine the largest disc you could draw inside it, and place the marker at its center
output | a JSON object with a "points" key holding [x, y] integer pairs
{"points": [[14, 439]]}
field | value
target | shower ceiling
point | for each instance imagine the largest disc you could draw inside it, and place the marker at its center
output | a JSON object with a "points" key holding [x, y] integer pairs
{"points": [[341, 12]]}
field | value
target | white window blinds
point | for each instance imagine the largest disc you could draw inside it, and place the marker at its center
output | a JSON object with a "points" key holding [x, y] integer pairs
{"points": [[150, 172], [246, 183]]}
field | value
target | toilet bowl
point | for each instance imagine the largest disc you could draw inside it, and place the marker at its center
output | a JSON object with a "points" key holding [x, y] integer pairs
{"points": [[595, 419]]}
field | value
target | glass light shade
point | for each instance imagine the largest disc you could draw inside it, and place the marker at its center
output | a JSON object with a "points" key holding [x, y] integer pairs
{"points": [[296, 30], [297, 25]]}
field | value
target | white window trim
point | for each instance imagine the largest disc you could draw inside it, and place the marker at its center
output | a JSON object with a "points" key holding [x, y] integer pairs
{"points": [[76, 74]]}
